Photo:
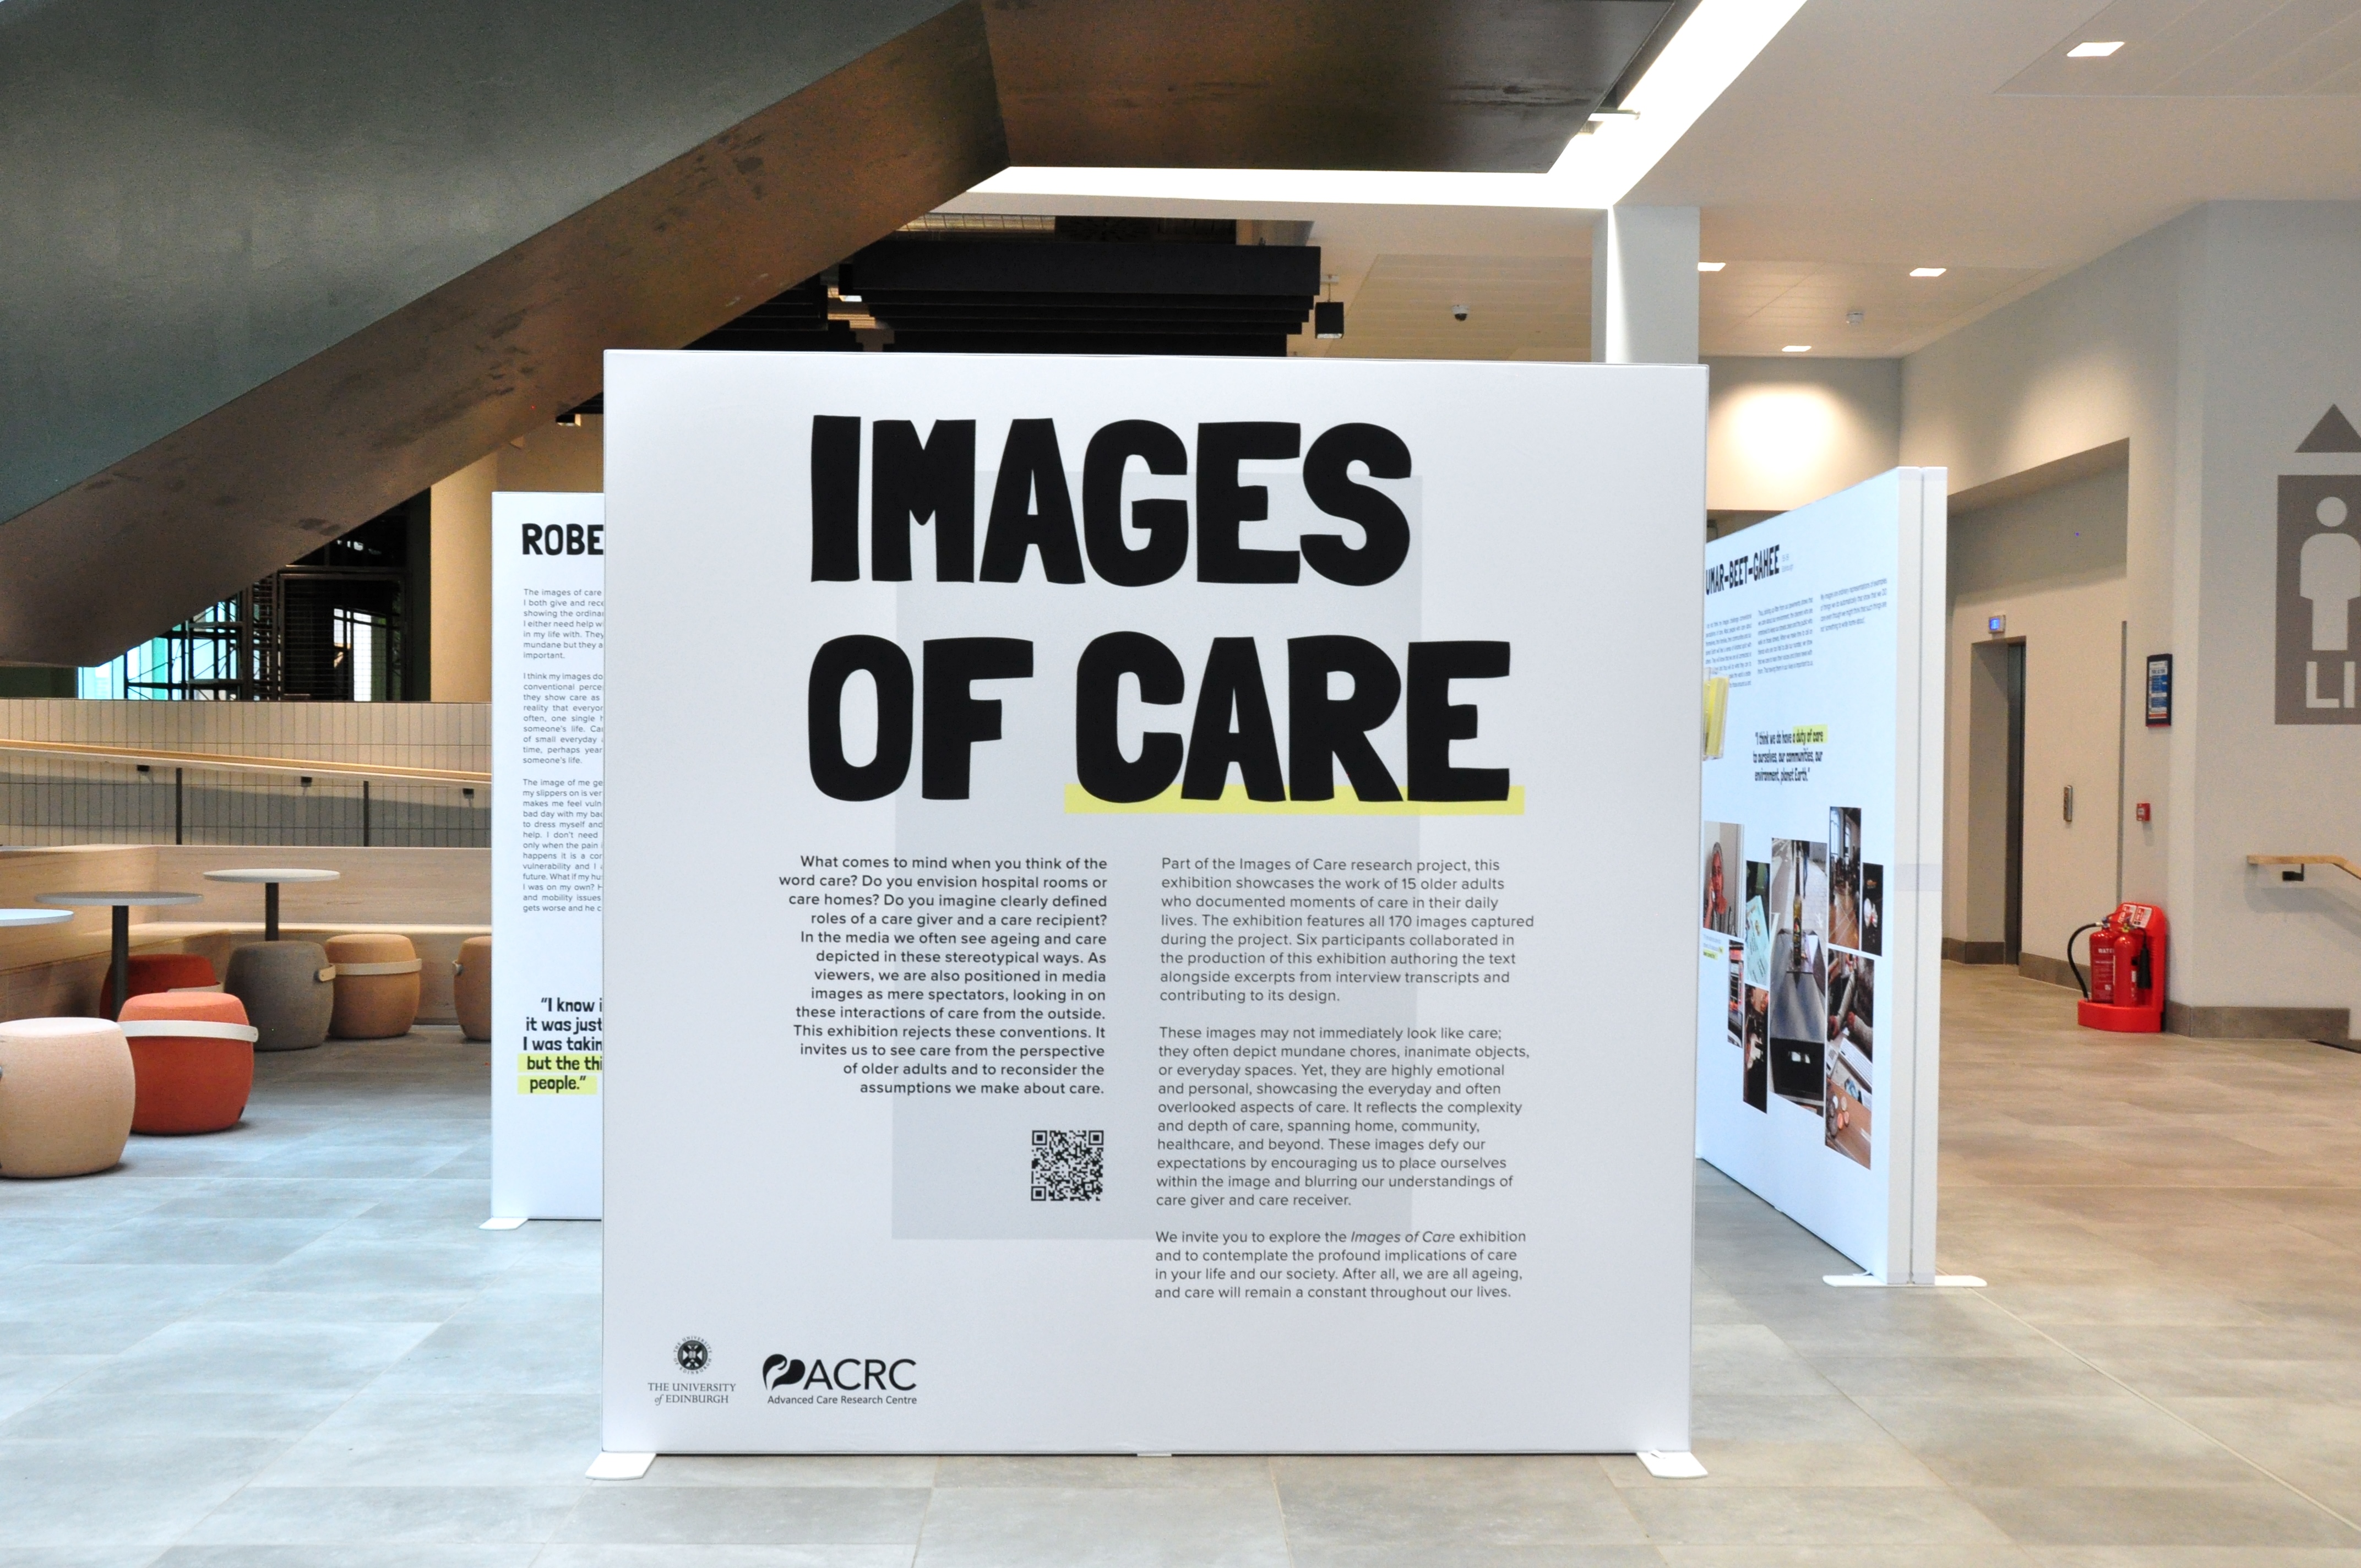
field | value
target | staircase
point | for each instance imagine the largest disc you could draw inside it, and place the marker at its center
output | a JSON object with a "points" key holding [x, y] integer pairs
{"points": [[267, 267]]}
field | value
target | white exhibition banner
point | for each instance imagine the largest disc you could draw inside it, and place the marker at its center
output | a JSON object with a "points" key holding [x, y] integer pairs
{"points": [[1141, 900], [1820, 983], [549, 581]]}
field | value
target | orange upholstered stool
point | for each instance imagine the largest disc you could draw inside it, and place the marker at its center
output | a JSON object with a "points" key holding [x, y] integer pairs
{"points": [[65, 1096], [377, 985], [471, 988], [159, 971], [192, 1054]]}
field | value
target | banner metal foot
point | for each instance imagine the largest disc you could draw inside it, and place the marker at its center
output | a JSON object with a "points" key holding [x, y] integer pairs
{"points": [[500, 1224], [1672, 1466], [1963, 1281], [620, 1466]]}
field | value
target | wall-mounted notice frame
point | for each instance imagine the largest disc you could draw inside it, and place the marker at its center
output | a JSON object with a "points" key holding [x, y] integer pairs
{"points": [[2159, 690], [1819, 977], [548, 656], [1172, 941]]}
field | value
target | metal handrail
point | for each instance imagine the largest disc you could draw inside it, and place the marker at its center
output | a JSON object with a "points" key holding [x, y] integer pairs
{"points": [[2339, 861], [227, 763]]}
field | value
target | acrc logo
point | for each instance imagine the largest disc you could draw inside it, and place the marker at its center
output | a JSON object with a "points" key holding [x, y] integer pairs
{"points": [[850, 1374]]}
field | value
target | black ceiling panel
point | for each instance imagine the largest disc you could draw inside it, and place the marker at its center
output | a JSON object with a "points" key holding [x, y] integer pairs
{"points": [[1432, 84], [1020, 296]]}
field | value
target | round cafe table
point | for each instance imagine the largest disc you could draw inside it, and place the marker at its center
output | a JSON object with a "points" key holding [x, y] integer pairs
{"points": [[270, 877], [121, 904], [34, 916]]}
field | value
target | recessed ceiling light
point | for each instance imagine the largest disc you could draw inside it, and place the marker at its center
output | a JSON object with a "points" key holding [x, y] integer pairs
{"points": [[1929, 271], [1711, 265], [1798, 348], [2094, 50]]}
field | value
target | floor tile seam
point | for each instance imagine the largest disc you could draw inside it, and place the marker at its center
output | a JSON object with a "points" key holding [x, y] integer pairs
{"points": [[2172, 1187], [2347, 1248], [925, 1514], [2174, 1415], [2022, 1187], [1279, 1506], [1959, 1492], [254, 1478]]}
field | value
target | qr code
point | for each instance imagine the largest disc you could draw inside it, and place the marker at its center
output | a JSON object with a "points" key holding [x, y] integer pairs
{"points": [[1068, 1167]]}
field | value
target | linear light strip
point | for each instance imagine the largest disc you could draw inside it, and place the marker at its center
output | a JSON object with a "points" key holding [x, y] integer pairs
{"points": [[1720, 40]]}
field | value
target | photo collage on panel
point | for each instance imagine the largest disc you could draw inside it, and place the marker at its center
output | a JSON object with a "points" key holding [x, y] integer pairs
{"points": [[1856, 893], [1803, 929]]}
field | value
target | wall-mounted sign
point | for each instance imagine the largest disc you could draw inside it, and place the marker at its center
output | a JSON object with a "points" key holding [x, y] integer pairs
{"points": [[2159, 690], [2318, 578]]}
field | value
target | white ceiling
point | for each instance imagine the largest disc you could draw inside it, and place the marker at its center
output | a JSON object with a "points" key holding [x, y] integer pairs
{"points": [[2201, 48], [1874, 136], [1878, 131], [1518, 307], [1761, 307]]}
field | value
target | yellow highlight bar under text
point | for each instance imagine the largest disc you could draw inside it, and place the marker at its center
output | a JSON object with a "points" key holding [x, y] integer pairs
{"points": [[1234, 802]]}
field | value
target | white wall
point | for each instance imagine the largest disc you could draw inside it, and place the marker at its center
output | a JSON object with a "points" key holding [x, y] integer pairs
{"points": [[2281, 342], [2210, 344], [2052, 563], [556, 457], [2090, 359], [1780, 433], [460, 599]]}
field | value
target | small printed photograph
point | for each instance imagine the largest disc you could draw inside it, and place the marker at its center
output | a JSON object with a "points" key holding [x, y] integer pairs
{"points": [[1755, 1083], [1845, 1114], [1873, 909], [1756, 925], [1798, 1027], [1737, 994], [1799, 886], [1798, 1066], [1852, 1010], [1725, 852], [1844, 876]]}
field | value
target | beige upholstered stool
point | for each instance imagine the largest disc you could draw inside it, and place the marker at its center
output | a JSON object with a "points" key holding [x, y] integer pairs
{"points": [[288, 991], [377, 985], [66, 1095], [471, 988]]}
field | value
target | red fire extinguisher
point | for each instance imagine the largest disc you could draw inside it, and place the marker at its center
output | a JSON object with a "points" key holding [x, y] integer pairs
{"points": [[2127, 988]]}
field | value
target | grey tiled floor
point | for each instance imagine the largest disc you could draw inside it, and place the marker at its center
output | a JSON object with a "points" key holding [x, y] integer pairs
{"points": [[290, 1345]]}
